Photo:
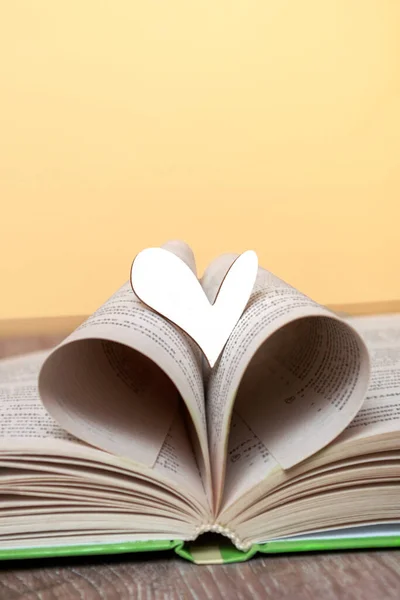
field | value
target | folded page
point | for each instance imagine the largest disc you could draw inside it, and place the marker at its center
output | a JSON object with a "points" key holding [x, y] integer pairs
{"points": [[116, 381], [296, 373]]}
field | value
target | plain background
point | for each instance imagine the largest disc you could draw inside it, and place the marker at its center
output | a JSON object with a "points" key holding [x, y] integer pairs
{"points": [[263, 124]]}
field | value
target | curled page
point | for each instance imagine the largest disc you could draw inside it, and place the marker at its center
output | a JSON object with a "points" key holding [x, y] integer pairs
{"points": [[115, 382], [296, 373], [28, 432]]}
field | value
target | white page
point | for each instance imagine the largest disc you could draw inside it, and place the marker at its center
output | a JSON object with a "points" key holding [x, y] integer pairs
{"points": [[22, 415], [297, 389], [388, 530], [115, 382], [26, 428], [248, 460], [380, 412]]}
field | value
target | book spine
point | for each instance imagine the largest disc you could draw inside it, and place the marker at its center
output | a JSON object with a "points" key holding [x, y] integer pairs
{"points": [[216, 528]]}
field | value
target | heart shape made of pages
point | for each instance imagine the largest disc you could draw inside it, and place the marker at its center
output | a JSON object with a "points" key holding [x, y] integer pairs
{"points": [[167, 285]]}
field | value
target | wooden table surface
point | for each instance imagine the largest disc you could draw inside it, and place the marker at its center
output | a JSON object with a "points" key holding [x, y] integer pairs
{"points": [[364, 575]]}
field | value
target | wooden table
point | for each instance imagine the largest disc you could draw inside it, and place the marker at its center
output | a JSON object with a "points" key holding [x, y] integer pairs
{"points": [[366, 575]]}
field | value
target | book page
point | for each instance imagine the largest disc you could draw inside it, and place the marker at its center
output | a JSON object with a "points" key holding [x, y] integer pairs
{"points": [[296, 373], [248, 460], [380, 412], [22, 415], [378, 416], [116, 381], [26, 429]]}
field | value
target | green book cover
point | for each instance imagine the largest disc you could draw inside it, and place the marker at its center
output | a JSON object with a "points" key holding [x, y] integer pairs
{"points": [[216, 549]]}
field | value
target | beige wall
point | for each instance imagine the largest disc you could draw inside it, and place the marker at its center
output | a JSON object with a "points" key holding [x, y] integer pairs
{"points": [[272, 125]]}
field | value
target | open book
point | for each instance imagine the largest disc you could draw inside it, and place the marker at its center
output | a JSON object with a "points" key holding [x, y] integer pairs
{"points": [[123, 439]]}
